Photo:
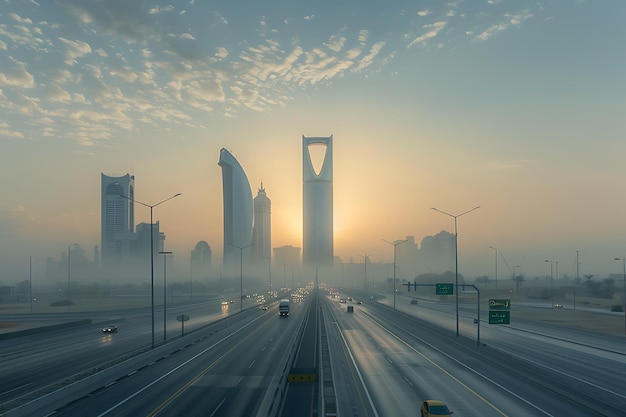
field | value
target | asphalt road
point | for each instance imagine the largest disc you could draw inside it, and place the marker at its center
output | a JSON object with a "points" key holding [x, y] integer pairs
{"points": [[527, 371], [383, 363]]}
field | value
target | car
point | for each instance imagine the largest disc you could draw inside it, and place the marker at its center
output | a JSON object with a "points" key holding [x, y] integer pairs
{"points": [[435, 408], [264, 307], [413, 301], [558, 306], [110, 329], [224, 303]]}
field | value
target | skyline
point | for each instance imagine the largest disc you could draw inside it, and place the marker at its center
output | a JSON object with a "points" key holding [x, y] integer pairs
{"points": [[514, 107]]}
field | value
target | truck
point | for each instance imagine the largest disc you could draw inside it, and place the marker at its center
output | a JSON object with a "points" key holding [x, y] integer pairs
{"points": [[283, 308]]}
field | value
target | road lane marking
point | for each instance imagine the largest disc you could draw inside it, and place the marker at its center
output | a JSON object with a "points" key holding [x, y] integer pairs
{"points": [[493, 406], [130, 397], [367, 393], [217, 408]]}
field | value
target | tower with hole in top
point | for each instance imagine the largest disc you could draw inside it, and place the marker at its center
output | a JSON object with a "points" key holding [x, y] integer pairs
{"points": [[317, 203]]}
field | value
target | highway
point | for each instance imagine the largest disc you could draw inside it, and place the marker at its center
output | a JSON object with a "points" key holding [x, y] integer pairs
{"points": [[372, 362], [515, 372]]}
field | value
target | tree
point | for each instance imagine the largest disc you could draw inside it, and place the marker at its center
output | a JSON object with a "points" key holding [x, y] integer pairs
{"points": [[482, 280]]}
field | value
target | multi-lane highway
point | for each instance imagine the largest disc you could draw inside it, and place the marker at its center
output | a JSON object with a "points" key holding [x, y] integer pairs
{"points": [[375, 361], [517, 371]]}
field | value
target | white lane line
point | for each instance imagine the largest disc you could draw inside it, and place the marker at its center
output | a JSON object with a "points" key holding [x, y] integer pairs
{"points": [[251, 364], [562, 373], [130, 397], [458, 381], [367, 393], [217, 408]]}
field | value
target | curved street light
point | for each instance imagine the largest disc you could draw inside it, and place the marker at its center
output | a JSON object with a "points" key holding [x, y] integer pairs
{"points": [[69, 296], [623, 259], [165, 253], [241, 248], [365, 271], [456, 257], [496, 249], [151, 206], [395, 245]]}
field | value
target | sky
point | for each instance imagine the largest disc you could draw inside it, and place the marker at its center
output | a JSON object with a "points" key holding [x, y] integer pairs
{"points": [[514, 106]]}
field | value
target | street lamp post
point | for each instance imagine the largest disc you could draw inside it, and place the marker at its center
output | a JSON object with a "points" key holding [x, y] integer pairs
{"points": [[69, 295], [395, 245], [491, 247], [551, 279], [456, 259], [365, 270], [241, 248], [269, 273], [623, 259], [151, 250], [165, 253]]}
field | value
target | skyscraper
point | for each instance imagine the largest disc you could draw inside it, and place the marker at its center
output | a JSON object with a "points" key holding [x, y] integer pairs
{"points": [[237, 197], [317, 190], [117, 218], [262, 230]]}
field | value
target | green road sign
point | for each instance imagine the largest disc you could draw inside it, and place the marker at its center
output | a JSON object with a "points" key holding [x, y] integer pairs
{"points": [[444, 289], [499, 317], [504, 304]]}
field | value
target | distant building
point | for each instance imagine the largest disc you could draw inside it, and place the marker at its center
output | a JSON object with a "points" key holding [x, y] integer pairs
{"points": [[437, 254], [317, 204], [117, 219], [238, 212], [142, 241], [201, 254], [200, 263], [262, 230], [287, 255]]}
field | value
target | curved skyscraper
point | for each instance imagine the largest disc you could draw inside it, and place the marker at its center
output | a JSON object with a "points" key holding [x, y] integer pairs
{"points": [[317, 190], [238, 210]]}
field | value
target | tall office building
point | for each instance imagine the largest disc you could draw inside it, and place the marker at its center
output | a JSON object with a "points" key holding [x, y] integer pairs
{"points": [[238, 213], [438, 252], [262, 230], [317, 190], [117, 219]]}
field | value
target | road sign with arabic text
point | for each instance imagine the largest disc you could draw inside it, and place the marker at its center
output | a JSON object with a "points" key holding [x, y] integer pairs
{"points": [[499, 317], [444, 289]]}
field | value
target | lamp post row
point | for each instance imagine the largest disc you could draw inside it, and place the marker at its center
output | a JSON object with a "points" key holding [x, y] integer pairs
{"points": [[151, 207], [456, 259], [241, 248]]}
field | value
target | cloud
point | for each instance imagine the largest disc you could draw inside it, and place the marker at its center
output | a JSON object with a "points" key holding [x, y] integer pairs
{"points": [[433, 30], [369, 58], [221, 53], [16, 75], [159, 10], [509, 20], [126, 73], [57, 94], [6, 133], [20, 19], [125, 18], [75, 49]]}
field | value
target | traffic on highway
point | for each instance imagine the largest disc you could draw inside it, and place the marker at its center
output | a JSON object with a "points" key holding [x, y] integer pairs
{"points": [[375, 361]]}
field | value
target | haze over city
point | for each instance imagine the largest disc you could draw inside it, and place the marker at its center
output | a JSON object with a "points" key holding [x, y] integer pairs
{"points": [[516, 107]]}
